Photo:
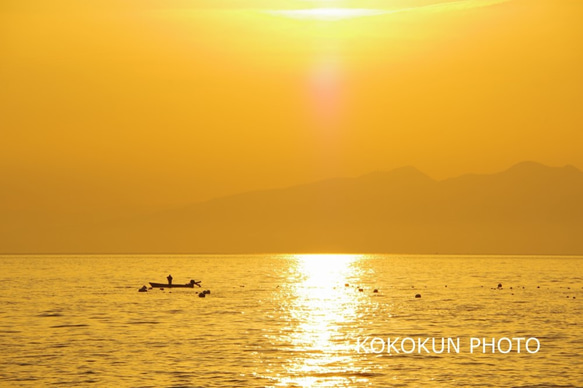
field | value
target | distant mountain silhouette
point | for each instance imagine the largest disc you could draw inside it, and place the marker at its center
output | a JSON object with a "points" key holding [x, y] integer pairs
{"points": [[528, 209]]}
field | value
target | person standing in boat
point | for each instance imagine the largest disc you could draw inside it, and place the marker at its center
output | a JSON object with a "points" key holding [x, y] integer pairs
{"points": [[169, 279]]}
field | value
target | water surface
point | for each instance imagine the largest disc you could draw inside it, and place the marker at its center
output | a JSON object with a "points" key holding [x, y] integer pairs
{"points": [[286, 320]]}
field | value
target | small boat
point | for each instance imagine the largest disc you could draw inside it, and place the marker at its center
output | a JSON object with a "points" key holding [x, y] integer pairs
{"points": [[166, 285]]}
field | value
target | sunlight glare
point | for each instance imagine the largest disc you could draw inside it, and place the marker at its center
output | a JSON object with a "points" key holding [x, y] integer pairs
{"points": [[325, 270], [327, 14]]}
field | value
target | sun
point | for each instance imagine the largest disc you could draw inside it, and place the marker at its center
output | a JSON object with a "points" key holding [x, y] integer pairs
{"points": [[327, 14]]}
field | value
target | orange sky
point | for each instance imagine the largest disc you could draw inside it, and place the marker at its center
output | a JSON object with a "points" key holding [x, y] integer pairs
{"points": [[108, 107]]}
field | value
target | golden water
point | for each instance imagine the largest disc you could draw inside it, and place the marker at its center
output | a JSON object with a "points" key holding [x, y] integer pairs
{"points": [[286, 320]]}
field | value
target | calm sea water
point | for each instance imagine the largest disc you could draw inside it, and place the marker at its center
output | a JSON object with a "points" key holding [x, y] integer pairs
{"points": [[287, 320]]}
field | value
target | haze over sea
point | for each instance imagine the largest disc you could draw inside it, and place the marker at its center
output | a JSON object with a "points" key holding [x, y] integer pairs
{"points": [[286, 320]]}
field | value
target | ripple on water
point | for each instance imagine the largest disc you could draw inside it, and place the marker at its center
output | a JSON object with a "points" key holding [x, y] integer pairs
{"points": [[69, 325], [50, 315]]}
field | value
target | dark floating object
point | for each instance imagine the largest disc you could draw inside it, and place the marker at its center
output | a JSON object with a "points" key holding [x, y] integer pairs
{"points": [[201, 294], [143, 289], [446, 286], [499, 285], [417, 295], [376, 291], [206, 292], [360, 290], [537, 286], [346, 284], [187, 285]]}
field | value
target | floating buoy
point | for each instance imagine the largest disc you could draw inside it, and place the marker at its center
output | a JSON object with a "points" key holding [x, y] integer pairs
{"points": [[201, 295], [417, 295], [499, 285], [360, 290], [346, 284], [206, 291], [376, 291]]}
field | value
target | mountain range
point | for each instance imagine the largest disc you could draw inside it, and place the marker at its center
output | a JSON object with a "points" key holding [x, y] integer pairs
{"points": [[527, 209]]}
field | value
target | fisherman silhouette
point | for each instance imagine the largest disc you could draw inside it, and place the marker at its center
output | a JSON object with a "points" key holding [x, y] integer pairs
{"points": [[169, 279]]}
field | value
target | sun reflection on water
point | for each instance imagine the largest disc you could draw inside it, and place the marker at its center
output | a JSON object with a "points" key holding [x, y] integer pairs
{"points": [[324, 312]]}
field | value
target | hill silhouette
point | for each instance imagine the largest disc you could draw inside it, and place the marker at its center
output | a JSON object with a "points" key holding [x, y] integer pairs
{"points": [[528, 209]]}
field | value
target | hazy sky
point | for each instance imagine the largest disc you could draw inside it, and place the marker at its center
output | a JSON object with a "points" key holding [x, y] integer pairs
{"points": [[109, 106]]}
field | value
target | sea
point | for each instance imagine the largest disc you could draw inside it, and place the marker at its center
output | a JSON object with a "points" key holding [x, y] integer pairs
{"points": [[292, 321]]}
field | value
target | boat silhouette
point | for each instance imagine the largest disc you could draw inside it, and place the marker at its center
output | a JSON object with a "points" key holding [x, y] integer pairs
{"points": [[167, 285]]}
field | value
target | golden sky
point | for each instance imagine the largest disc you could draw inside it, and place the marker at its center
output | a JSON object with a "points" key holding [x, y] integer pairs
{"points": [[116, 106]]}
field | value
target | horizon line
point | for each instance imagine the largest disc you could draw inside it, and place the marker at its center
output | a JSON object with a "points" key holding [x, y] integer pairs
{"points": [[575, 255]]}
